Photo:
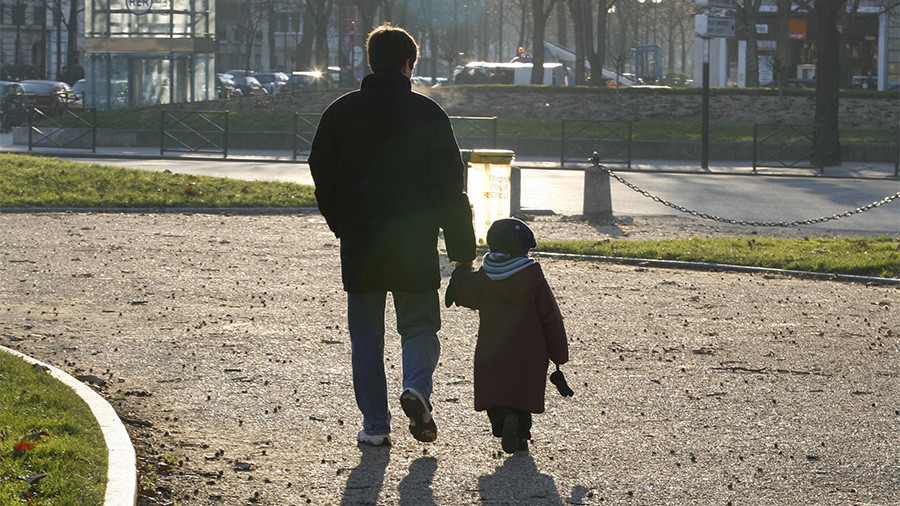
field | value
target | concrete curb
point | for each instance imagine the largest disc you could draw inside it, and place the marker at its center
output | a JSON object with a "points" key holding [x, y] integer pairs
{"points": [[121, 484]]}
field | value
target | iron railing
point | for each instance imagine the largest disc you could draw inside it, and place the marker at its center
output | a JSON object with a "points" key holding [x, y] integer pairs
{"points": [[783, 146], [609, 140], [194, 132], [475, 132], [305, 125], [59, 127]]}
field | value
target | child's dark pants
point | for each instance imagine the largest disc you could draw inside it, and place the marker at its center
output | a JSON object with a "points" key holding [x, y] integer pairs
{"points": [[498, 414]]}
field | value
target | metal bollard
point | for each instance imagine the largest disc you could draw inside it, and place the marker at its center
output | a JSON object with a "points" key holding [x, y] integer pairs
{"points": [[597, 198]]}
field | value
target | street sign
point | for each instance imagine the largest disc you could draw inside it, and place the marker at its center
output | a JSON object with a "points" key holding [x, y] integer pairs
{"points": [[712, 26], [716, 4], [139, 7]]}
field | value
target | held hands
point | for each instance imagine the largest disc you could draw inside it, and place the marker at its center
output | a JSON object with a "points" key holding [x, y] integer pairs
{"points": [[450, 294]]}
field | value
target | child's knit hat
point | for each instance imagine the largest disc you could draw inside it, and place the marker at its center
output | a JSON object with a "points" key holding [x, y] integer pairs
{"points": [[511, 236]]}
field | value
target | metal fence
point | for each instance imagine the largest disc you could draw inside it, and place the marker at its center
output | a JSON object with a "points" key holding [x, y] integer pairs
{"points": [[783, 146], [580, 140], [475, 132], [305, 125], [194, 132], [58, 127]]}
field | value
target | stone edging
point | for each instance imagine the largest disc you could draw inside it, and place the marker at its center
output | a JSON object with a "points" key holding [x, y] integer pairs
{"points": [[121, 485]]}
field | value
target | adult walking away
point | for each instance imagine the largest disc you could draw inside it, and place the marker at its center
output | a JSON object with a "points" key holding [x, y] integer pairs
{"points": [[388, 177]]}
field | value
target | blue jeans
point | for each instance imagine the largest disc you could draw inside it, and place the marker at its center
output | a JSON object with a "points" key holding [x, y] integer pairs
{"points": [[418, 320]]}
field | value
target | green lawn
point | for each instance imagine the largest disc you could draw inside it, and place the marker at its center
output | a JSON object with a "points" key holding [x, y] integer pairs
{"points": [[51, 448], [865, 256], [27, 181]]}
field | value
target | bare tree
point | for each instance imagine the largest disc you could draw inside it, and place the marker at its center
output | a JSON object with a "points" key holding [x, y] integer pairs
{"points": [[246, 21], [312, 50], [540, 14], [367, 12], [67, 16], [577, 10], [826, 138], [747, 14]]}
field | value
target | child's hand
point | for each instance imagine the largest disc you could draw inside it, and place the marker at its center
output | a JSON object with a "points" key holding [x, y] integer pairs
{"points": [[457, 265]]}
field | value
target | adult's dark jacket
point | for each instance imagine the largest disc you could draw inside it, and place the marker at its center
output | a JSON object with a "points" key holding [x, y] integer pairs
{"points": [[520, 330], [388, 176]]}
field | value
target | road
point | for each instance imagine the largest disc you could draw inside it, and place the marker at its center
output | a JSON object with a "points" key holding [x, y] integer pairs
{"points": [[735, 195]]}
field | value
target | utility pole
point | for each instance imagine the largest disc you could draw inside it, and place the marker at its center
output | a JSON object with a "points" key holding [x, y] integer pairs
{"points": [[707, 27]]}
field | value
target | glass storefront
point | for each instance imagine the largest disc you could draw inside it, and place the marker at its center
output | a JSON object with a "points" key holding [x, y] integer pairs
{"points": [[148, 52]]}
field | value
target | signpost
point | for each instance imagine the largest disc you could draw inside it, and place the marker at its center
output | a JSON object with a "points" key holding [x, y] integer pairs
{"points": [[707, 27]]}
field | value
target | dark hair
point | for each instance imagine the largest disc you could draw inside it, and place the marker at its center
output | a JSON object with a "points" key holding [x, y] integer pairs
{"points": [[388, 47]]}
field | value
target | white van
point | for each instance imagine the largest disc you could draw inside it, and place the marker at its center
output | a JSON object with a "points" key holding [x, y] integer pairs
{"points": [[479, 72]]}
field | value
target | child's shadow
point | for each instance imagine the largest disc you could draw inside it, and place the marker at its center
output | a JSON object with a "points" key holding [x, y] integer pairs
{"points": [[415, 488], [518, 481], [366, 479]]}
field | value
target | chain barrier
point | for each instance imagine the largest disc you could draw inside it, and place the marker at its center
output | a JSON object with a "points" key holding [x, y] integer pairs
{"points": [[596, 161]]}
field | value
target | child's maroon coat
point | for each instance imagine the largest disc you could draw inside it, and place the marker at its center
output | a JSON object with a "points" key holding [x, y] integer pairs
{"points": [[520, 330]]}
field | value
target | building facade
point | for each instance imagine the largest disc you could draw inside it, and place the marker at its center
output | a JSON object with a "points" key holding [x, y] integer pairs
{"points": [[146, 52]]}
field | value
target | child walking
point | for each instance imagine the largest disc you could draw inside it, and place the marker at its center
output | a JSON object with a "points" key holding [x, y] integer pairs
{"points": [[519, 332]]}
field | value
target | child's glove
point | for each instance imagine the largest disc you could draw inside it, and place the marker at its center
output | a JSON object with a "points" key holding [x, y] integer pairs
{"points": [[559, 380], [450, 294]]}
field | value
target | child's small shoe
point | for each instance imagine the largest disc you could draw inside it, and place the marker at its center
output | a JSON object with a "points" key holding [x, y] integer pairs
{"points": [[510, 441]]}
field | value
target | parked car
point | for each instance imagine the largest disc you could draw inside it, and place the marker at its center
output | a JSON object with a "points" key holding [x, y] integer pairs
{"points": [[51, 94], [315, 79], [226, 87], [12, 105], [78, 87], [308, 79], [793, 83], [250, 86], [239, 72], [273, 82]]}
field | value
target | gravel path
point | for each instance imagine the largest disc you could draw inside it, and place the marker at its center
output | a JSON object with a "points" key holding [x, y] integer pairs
{"points": [[224, 345]]}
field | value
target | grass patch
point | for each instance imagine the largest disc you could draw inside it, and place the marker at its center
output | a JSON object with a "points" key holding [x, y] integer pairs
{"points": [[874, 256], [68, 446], [28, 181]]}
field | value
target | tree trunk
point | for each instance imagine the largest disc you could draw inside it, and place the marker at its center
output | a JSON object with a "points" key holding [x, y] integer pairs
{"points": [[270, 34], [598, 59], [367, 10], [537, 52], [73, 32], [323, 16], [782, 48], [826, 137], [561, 26], [581, 42], [305, 46]]}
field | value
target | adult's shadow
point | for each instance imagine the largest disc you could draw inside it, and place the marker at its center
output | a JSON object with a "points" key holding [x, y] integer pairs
{"points": [[518, 481], [366, 479], [415, 488]]}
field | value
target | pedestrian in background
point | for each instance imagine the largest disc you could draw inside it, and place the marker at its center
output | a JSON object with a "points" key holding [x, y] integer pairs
{"points": [[388, 176]]}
